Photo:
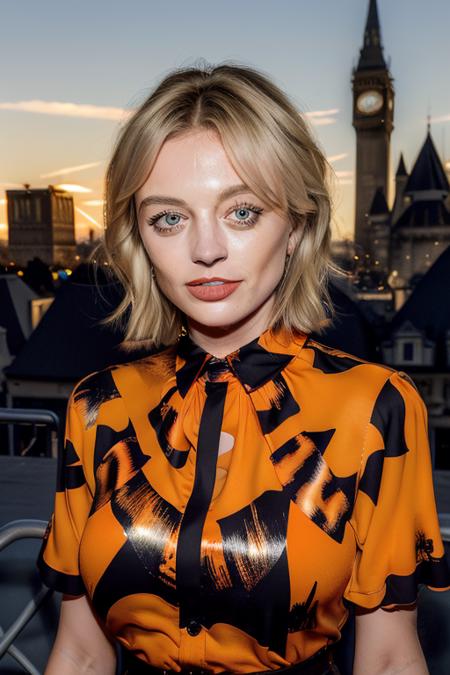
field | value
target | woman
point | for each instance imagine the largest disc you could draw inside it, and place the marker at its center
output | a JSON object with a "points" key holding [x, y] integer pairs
{"points": [[222, 503]]}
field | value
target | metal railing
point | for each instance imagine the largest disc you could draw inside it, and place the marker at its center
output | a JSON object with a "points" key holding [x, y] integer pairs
{"points": [[9, 533], [444, 521], [35, 417]]}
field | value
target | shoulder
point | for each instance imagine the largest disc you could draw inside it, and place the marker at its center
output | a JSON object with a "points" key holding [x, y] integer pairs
{"points": [[380, 381], [393, 398], [333, 360], [103, 380], [91, 391], [156, 367], [387, 398], [120, 380]]}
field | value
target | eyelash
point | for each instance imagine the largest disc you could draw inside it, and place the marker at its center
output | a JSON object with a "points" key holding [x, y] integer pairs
{"points": [[250, 221]]}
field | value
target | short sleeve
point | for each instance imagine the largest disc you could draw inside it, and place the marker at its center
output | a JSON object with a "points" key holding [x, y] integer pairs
{"points": [[394, 518], [58, 557]]}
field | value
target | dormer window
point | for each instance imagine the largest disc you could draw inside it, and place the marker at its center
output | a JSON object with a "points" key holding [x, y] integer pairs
{"points": [[408, 351]]}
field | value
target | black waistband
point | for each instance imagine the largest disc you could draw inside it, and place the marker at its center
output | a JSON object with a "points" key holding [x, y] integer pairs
{"points": [[320, 663]]}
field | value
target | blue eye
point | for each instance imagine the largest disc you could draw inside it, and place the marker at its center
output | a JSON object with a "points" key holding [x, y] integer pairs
{"points": [[243, 212], [247, 214], [170, 216], [169, 224]]}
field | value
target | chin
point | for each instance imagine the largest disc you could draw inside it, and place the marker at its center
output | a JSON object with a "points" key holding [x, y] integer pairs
{"points": [[224, 318], [221, 314], [223, 321], [215, 317]]}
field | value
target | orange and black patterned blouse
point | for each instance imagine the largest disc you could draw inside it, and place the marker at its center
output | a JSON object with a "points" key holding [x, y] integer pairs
{"points": [[224, 513]]}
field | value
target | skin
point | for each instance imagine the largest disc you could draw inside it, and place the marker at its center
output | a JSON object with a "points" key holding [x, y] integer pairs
{"points": [[386, 643], [207, 238], [210, 240], [81, 645]]}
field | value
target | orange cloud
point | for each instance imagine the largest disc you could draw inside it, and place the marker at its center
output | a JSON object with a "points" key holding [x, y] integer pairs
{"points": [[70, 169]]}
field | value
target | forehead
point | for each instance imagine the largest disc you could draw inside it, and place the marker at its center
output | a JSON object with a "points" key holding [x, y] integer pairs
{"points": [[193, 155], [195, 165]]}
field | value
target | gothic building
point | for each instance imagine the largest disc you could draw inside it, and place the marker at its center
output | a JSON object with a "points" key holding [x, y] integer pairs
{"points": [[406, 240], [399, 242]]}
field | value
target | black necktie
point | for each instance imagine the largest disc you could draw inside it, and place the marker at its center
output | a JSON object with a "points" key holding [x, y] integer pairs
{"points": [[188, 560]]}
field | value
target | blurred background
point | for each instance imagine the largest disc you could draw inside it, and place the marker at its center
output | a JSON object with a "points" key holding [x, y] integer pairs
{"points": [[372, 79]]}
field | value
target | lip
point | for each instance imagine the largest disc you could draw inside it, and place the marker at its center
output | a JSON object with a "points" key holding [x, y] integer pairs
{"points": [[213, 293], [203, 280]]}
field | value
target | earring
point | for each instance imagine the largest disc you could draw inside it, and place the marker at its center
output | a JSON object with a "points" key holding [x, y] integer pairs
{"points": [[152, 269]]}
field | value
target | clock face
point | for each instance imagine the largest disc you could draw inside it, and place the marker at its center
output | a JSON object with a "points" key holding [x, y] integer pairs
{"points": [[369, 102]]}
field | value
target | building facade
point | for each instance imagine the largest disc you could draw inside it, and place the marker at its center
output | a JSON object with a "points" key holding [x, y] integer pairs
{"points": [[41, 224], [407, 239]]}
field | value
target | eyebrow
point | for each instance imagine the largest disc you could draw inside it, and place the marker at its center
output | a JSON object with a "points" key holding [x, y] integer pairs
{"points": [[164, 199]]}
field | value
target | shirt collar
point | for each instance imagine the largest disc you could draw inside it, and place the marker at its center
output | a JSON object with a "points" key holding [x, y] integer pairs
{"points": [[254, 364]]}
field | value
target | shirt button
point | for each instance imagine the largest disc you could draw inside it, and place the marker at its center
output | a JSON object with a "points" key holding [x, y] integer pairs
{"points": [[193, 627]]}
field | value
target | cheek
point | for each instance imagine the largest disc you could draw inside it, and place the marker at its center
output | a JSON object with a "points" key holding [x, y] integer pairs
{"points": [[267, 258], [172, 268], [162, 255]]}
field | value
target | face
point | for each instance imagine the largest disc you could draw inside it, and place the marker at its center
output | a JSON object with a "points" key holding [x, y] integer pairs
{"points": [[197, 222]]}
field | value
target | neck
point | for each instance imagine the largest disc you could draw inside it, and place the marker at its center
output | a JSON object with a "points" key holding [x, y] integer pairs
{"points": [[223, 340]]}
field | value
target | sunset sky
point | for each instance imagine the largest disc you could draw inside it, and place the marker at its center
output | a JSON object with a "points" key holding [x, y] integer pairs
{"points": [[71, 72]]}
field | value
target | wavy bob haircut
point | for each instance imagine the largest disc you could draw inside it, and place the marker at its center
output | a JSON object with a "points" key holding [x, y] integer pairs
{"points": [[273, 151]]}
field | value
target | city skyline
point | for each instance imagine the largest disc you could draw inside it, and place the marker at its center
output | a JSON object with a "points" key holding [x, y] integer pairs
{"points": [[58, 125]]}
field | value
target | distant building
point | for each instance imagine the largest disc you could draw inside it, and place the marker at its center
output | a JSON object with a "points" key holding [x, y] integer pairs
{"points": [[395, 245], [407, 239], [373, 114], [41, 224]]}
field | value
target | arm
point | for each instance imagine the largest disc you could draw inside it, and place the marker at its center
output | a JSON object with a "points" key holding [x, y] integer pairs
{"points": [[386, 643], [81, 645]]}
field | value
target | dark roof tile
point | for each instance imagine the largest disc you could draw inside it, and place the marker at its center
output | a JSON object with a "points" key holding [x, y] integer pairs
{"points": [[69, 342], [428, 172], [424, 213], [379, 205], [427, 309], [401, 169]]}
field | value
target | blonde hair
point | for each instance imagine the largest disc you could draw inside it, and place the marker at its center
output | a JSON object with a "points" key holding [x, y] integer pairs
{"points": [[272, 149]]}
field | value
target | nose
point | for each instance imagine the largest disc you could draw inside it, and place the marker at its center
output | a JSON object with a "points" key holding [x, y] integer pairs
{"points": [[208, 242]]}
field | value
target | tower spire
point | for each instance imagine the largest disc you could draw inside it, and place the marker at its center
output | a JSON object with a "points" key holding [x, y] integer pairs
{"points": [[371, 53], [401, 169]]}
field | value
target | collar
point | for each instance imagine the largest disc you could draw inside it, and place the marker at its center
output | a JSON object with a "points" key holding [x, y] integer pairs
{"points": [[254, 364]]}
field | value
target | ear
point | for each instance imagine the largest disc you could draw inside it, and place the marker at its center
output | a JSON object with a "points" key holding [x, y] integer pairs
{"points": [[295, 234]]}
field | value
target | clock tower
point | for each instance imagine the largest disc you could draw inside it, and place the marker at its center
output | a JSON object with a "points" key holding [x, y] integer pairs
{"points": [[373, 113]]}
